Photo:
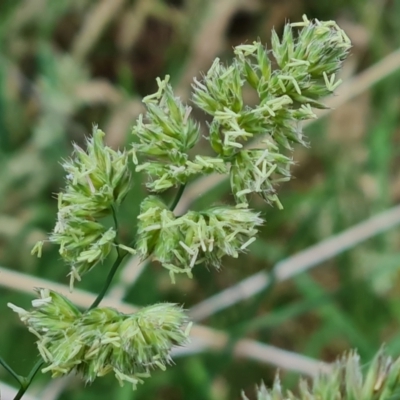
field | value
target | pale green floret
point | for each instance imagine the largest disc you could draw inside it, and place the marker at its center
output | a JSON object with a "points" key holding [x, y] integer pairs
{"points": [[152, 212], [98, 179], [258, 171], [83, 243], [60, 312], [164, 136], [104, 340], [38, 248], [306, 67], [346, 381], [179, 173], [221, 88], [180, 243]]}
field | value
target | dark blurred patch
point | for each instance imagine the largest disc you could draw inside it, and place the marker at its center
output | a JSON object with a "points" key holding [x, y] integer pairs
{"points": [[175, 3], [149, 55], [146, 60], [103, 58], [66, 28], [243, 25], [328, 10]]}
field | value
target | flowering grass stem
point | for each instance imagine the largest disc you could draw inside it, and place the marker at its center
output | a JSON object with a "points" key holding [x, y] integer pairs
{"points": [[102, 340], [26, 382], [177, 197], [10, 370], [122, 253], [114, 214], [110, 277]]}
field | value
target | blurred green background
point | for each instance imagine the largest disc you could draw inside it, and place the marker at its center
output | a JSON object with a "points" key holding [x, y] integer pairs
{"points": [[66, 65]]}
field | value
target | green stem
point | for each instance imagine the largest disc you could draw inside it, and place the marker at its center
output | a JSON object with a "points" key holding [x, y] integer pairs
{"points": [[114, 268], [114, 213], [177, 197], [11, 371], [120, 256], [26, 382]]}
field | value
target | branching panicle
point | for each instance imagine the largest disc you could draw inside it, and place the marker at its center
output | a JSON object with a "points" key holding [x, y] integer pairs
{"points": [[307, 64], [103, 340], [98, 179]]}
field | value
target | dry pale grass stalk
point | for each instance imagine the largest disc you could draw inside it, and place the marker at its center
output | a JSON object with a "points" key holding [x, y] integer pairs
{"points": [[93, 26], [128, 276], [98, 91], [120, 122], [132, 24], [208, 41], [55, 387], [8, 393], [24, 13], [298, 263]]}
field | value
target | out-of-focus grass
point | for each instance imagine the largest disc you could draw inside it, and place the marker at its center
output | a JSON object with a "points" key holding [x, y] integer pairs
{"points": [[53, 88]]}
